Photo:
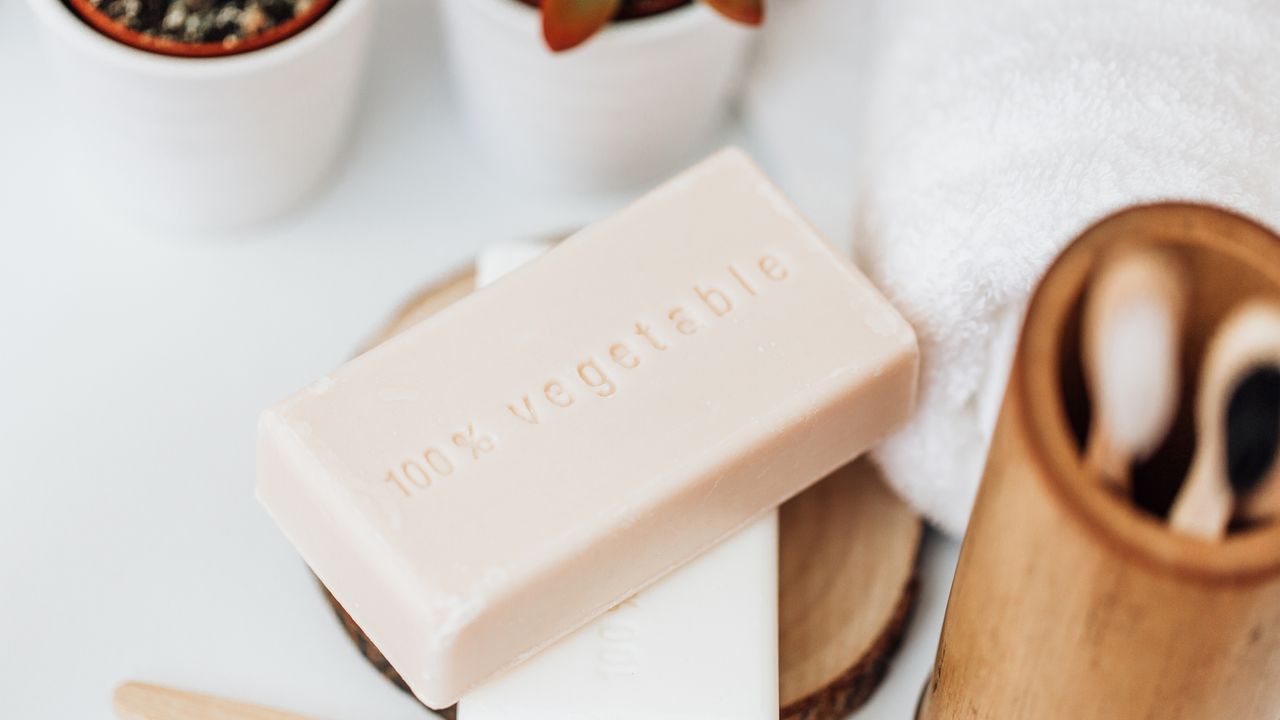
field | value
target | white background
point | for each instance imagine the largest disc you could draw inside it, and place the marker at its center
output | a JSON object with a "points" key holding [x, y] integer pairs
{"points": [[132, 368]]}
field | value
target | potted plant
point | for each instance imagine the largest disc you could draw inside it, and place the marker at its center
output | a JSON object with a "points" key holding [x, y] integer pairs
{"points": [[597, 94], [206, 114]]}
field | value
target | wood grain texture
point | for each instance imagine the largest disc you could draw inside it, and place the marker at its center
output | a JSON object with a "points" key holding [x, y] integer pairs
{"points": [[138, 701], [1070, 601], [846, 572], [848, 556]]}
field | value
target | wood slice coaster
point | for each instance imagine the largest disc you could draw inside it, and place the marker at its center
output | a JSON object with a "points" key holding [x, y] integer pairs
{"points": [[847, 573]]}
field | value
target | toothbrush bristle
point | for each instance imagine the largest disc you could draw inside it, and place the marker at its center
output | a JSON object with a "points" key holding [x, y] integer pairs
{"points": [[1139, 359], [1253, 428]]}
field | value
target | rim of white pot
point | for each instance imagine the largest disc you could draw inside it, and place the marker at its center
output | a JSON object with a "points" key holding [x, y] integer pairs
{"points": [[67, 24], [518, 16]]}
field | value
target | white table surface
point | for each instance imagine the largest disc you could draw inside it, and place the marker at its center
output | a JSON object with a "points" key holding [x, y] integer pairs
{"points": [[132, 368]]}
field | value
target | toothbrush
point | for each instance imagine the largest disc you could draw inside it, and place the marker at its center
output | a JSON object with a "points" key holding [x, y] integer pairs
{"points": [[1234, 471], [1254, 417], [1132, 331]]}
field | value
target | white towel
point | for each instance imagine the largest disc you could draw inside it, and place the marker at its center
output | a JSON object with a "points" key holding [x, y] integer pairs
{"points": [[998, 130]]}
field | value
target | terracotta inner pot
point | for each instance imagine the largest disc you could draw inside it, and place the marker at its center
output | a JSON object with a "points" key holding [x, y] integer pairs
{"points": [[103, 23]]}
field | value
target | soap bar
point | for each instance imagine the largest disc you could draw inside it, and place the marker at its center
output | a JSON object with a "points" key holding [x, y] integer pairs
{"points": [[700, 643], [508, 469]]}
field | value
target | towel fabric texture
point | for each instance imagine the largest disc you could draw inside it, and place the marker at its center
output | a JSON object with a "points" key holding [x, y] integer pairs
{"points": [[993, 132], [996, 132]]}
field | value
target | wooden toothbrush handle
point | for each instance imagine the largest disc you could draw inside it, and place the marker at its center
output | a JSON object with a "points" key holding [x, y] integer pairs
{"points": [[139, 701]]}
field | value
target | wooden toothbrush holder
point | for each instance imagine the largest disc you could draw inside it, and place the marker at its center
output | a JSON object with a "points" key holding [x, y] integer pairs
{"points": [[1070, 602]]}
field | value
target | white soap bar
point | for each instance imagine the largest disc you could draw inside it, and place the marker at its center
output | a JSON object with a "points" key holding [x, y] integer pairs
{"points": [[499, 259], [701, 643]]}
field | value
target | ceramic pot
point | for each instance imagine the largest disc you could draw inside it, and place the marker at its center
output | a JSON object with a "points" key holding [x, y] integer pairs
{"points": [[633, 104], [202, 143]]}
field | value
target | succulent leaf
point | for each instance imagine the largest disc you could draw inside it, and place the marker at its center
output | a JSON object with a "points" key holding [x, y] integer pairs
{"points": [[750, 12], [568, 23]]}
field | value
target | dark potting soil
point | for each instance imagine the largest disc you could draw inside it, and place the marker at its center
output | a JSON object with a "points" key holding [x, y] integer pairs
{"points": [[635, 8], [202, 21]]}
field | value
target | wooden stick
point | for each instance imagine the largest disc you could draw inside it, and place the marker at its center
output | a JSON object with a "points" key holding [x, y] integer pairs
{"points": [[1132, 332], [139, 701], [1247, 340]]}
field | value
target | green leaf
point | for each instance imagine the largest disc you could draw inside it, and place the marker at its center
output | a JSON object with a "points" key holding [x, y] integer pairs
{"points": [[568, 23], [750, 12]]}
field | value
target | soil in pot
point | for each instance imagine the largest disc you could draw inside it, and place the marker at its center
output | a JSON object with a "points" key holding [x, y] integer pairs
{"points": [[199, 28]]}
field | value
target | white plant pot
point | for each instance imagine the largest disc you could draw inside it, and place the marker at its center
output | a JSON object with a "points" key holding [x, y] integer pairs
{"points": [[804, 105], [631, 105], [215, 143]]}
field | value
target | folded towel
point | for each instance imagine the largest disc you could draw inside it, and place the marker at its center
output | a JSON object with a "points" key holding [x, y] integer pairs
{"points": [[996, 131]]}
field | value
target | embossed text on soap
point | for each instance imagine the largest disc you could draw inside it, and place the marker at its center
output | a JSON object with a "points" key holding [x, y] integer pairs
{"points": [[600, 374]]}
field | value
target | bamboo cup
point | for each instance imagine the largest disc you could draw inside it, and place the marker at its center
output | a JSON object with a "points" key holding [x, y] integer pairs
{"points": [[1070, 600]]}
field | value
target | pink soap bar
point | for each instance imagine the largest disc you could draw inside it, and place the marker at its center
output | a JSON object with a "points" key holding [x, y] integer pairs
{"points": [[503, 472]]}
